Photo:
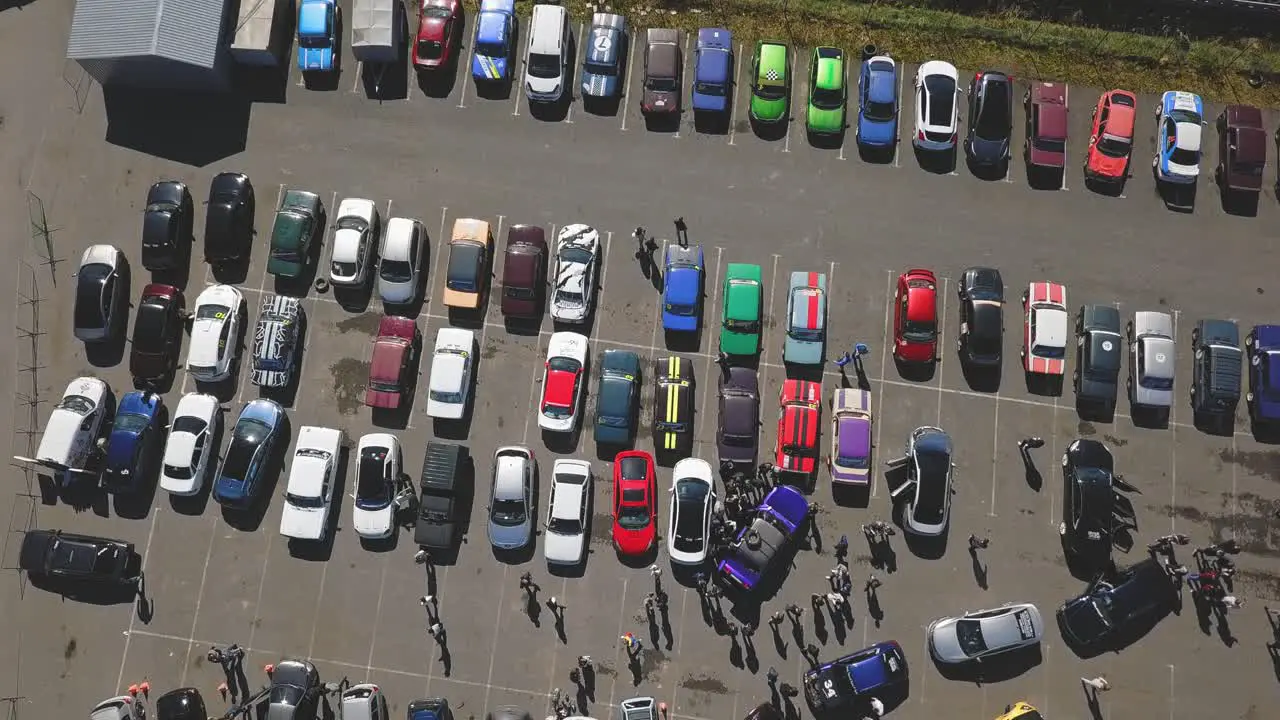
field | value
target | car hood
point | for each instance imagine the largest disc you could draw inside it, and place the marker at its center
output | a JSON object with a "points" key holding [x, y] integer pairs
{"points": [[825, 120], [302, 523], [373, 523], [560, 312], [769, 110], [633, 542], [315, 58], [943, 641], [488, 68], [988, 150], [564, 549], [542, 86], [510, 537], [876, 132], [804, 352], [595, 85]]}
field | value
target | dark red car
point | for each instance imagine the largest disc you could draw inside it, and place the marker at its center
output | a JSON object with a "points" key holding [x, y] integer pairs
{"points": [[915, 317], [524, 270], [635, 503], [157, 333], [393, 367], [439, 33], [1046, 111]]}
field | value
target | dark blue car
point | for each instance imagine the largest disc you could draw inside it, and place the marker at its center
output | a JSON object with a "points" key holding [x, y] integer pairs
{"points": [[682, 288], [878, 103], [253, 439], [617, 397], [758, 547], [847, 684], [713, 71], [1263, 346], [131, 446]]}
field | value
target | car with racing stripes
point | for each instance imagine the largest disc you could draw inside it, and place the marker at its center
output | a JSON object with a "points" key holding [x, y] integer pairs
{"points": [[673, 405], [799, 415], [1045, 326], [275, 341], [605, 62], [806, 319]]}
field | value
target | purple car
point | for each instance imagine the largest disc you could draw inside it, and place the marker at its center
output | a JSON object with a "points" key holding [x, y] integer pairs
{"points": [[778, 520], [737, 436], [850, 460]]}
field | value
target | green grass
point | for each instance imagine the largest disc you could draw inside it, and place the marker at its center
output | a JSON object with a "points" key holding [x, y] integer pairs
{"points": [[1217, 69]]}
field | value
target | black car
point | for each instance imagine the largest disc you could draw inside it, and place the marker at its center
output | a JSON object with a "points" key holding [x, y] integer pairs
{"points": [[617, 397], [981, 317], [990, 119], [295, 691], [166, 226], [436, 527], [228, 220], [738, 429], [1098, 357], [1115, 603], [181, 704], [1088, 501], [435, 709], [57, 555], [157, 334], [1217, 370], [673, 405]]}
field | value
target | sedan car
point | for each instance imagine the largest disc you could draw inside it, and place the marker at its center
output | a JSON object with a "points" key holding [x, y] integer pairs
{"points": [[927, 492], [673, 405], [981, 294], [215, 334], [984, 634], [1151, 361], [776, 523], [850, 458], [1088, 502], [378, 475], [682, 271], [799, 415], [158, 326], [295, 691], [878, 103], [100, 310], [770, 83], [605, 66], [511, 498], [1116, 603], [662, 71], [569, 510], [355, 237], [693, 498], [467, 273], [452, 364], [193, 432], [253, 441], [848, 683], [134, 440], [495, 42], [617, 397], [400, 261], [937, 110], [393, 366], [439, 33], [309, 491], [364, 702], [635, 503], [738, 422], [1020, 711], [1262, 345], [806, 337], [828, 92], [276, 341], [58, 555], [915, 317], [228, 220], [742, 309], [166, 226], [1098, 357], [524, 272], [574, 277], [1045, 327], [990, 125], [1179, 122], [563, 379], [1111, 138], [71, 432]]}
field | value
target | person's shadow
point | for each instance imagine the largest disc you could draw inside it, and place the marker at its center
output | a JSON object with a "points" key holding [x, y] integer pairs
{"points": [[873, 607], [779, 644], [645, 258], [560, 631], [1034, 479], [446, 659], [146, 607], [820, 626], [533, 609], [655, 270], [665, 614], [979, 569], [1095, 708]]}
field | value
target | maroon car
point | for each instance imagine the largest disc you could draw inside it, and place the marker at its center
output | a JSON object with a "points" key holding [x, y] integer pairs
{"points": [[524, 270], [157, 333], [1045, 149], [393, 367], [738, 429], [1242, 149]]}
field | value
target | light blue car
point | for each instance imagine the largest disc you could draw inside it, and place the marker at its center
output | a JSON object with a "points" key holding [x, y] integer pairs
{"points": [[317, 35], [606, 57], [806, 319], [1179, 122], [495, 42]]}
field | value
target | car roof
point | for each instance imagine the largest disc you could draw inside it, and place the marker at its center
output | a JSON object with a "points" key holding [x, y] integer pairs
{"points": [[1003, 630], [663, 53], [1152, 322], [568, 499], [883, 86], [713, 67], [773, 58], [1266, 337], [1221, 332], [1243, 116], [830, 68], [508, 477], [388, 354], [921, 302], [1120, 118]]}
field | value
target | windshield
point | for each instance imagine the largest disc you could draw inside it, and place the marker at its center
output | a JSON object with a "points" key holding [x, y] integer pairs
{"points": [[372, 489], [576, 255], [342, 269], [286, 255], [568, 298], [446, 397], [430, 49], [769, 92], [565, 526], [853, 461], [507, 512], [542, 66], [742, 326], [878, 111], [396, 271], [969, 635], [212, 312], [464, 266], [1157, 383], [828, 99], [703, 88], [596, 68], [313, 41], [744, 441], [1053, 146], [130, 423], [304, 501], [1180, 156], [187, 424], [77, 404], [633, 517], [919, 331], [1045, 351], [178, 473], [1112, 146], [661, 84], [488, 49]]}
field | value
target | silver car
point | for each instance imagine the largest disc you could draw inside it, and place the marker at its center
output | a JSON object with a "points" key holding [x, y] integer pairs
{"points": [[979, 635], [1151, 361], [511, 508], [638, 708]]}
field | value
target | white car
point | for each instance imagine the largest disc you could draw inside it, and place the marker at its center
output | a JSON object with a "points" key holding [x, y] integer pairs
{"points": [[400, 261], [364, 702], [124, 707], [573, 280], [563, 380], [373, 512], [1179, 125], [98, 311], [693, 496], [215, 333], [982, 634], [565, 542], [451, 367], [310, 488], [355, 234], [190, 444], [937, 107], [74, 426]]}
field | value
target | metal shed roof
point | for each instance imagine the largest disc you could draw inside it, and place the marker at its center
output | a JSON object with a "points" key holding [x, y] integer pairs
{"points": [[186, 31]]}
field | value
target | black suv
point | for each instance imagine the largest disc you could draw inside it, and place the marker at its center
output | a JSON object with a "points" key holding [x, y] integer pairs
{"points": [[228, 220], [1098, 357], [56, 555], [981, 317], [1088, 502], [166, 226], [438, 520], [1114, 603], [990, 119], [1216, 371]]}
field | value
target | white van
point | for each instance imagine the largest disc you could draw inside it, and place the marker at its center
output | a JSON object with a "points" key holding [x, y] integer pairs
{"points": [[547, 57]]}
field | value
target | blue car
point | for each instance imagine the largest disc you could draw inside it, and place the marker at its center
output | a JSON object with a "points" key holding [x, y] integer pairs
{"points": [[846, 685], [778, 521], [131, 446], [253, 440], [617, 397], [495, 44], [713, 71], [317, 35], [878, 103], [682, 288], [1179, 121], [1263, 346], [606, 57]]}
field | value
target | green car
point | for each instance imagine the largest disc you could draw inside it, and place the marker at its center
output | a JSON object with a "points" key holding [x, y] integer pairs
{"points": [[298, 222], [827, 92], [770, 83], [743, 292]]}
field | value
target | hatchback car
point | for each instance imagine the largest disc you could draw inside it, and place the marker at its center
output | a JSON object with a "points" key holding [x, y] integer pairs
{"points": [[806, 337], [439, 33], [123, 707], [741, 309], [635, 503], [915, 317], [1088, 502], [452, 365], [467, 273], [937, 110], [511, 498], [927, 492], [379, 472], [990, 124], [1111, 139], [1179, 125], [400, 261], [228, 220], [850, 458], [738, 424], [524, 272], [1115, 603], [770, 83], [355, 237], [799, 418], [1151, 361], [760, 548], [1242, 150], [682, 274], [693, 497], [135, 437], [978, 636], [253, 442], [167, 226], [493, 55], [277, 344], [568, 512], [848, 683], [193, 433], [673, 405], [663, 68], [1045, 148], [295, 691], [438, 709], [878, 103], [100, 311], [158, 326], [393, 364], [713, 70], [1098, 357], [828, 92], [617, 397], [364, 702], [574, 278], [563, 381], [605, 63], [981, 292], [215, 334], [1263, 346]]}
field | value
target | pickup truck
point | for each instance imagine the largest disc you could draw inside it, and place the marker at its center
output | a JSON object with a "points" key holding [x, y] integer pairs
{"points": [[299, 221], [318, 22]]}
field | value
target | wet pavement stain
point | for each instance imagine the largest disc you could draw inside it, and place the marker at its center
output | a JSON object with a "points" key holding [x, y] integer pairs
{"points": [[704, 683], [366, 323], [1086, 429], [1118, 442], [1252, 526], [349, 379], [1261, 463]]}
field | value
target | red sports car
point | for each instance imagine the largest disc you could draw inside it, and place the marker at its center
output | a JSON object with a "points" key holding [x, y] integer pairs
{"points": [[799, 415], [394, 364], [915, 317], [439, 33], [635, 503], [1111, 141]]}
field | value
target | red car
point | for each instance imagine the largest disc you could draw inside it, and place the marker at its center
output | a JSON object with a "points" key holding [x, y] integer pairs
{"points": [[1111, 140], [915, 317], [157, 333], [439, 33], [635, 503], [799, 415], [393, 367]]}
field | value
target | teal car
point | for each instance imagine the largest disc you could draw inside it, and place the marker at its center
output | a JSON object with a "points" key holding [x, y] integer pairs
{"points": [[743, 295], [299, 221]]}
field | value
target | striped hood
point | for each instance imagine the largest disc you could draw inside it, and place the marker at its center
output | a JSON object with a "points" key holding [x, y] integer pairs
{"points": [[1046, 329], [275, 341], [797, 449], [673, 406]]}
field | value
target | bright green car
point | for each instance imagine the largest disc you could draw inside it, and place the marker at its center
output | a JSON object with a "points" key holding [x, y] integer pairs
{"points": [[743, 291], [770, 83], [827, 92]]}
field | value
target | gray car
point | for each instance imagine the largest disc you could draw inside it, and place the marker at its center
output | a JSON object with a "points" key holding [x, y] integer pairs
{"points": [[511, 508], [979, 635], [638, 708], [1151, 361]]}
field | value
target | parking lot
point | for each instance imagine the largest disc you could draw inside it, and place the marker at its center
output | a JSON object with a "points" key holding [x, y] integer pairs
{"points": [[783, 204]]}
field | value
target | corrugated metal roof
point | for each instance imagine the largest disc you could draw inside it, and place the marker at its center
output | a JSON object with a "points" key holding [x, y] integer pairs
{"points": [[183, 30]]}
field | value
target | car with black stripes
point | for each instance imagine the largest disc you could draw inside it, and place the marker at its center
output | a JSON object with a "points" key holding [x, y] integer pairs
{"points": [[275, 341], [673, 405]]}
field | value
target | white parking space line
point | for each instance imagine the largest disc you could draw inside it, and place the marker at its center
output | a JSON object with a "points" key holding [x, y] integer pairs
{"points": [[262, 584], [995, 455], [624, 102], [897, 137], [773, 281], [613, 661], [676, 645], [946, 293], [355, 85], [518, 80], [791, 106], [1066, 96], [204, 574], [1173, 449], [315, 623], [533, 392], [465, 80], [1054, 465], [884, 358], [601, 287], [657, 310], [733, 94], [497, 634], [437, 259], [684, 80], [133, 616], [484, 308], [1235, 499]]}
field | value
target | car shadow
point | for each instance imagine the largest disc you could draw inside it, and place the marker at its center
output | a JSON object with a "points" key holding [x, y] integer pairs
{"points": [[1211, 424], [523, 326], [856, 496], [1044, 179], [876, 155], [1043, 385], [926, 548], [1265, 433], [987, 173], [938, 162], [353, 299], [916, 372], [1149, 418], [178, 277], [1094, 412], [323, 550], [981, 379], [110, 352], [85, 592], [768, 132]]}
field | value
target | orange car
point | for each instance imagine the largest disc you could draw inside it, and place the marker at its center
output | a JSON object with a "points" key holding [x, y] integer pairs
{"points": [[1111, 141]]}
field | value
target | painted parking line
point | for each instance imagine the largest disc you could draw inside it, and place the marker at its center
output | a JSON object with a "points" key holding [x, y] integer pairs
{"points": [[571, 81], [519, 83], [1173, 449], [133, 616], [437, 259], [995, 458], [884, 359], [600, 288], [497, 635], [946, 293], [355, 85], [657, 310], [623, 102], [790, 120], [622, 619], [675, 650], [897, 132], [377, 609], [471, 54], [204, 576], [733, 108], [534, 381], [773, 283]]}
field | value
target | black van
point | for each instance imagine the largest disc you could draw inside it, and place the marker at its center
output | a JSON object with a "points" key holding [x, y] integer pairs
{"points": [[436, 527], [1216, 370]]}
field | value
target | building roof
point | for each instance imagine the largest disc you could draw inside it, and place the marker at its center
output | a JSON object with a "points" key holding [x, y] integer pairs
{"points": [[186, 31]]}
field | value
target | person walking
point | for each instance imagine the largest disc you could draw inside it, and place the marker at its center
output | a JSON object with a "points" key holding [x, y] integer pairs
{"points": [[842, 549], [978, 543], [632, 643], [776, 619], [772, 676], [437, 631], [1096, 685], [873, 583]]}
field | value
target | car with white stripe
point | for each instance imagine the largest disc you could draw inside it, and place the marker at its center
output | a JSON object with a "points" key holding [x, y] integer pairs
{"points": [[605, 61], [1045, 327], [275, 341]]}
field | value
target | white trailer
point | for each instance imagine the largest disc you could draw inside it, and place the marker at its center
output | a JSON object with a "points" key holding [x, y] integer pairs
{"points": [[262, 33], [377, 31]]}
